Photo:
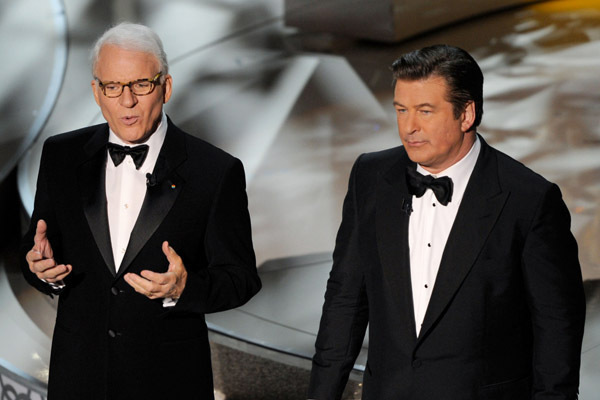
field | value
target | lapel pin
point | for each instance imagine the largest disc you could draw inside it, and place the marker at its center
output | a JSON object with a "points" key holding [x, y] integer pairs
{"points": [[173, 186]]}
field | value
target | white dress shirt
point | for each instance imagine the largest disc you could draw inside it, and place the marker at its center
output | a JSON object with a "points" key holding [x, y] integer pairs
{"points": [[126, 189], [429, 227]]}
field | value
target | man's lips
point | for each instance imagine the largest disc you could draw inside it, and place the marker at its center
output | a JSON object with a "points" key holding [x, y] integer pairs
{"points": [[415, 143], [129, 120]]}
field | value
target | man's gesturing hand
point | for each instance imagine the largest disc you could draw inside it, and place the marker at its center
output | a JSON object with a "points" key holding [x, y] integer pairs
{"points": [[41, 257], [159, 286]]}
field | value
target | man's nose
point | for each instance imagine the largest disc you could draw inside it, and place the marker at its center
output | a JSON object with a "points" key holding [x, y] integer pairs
{"points": [[127, 98], [410, 124]]}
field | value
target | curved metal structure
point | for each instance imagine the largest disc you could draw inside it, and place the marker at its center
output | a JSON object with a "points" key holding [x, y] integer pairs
{"points": [[32, 84]]}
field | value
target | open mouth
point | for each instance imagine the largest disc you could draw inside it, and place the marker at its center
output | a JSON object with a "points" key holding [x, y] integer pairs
{"points": [[129, 120]]}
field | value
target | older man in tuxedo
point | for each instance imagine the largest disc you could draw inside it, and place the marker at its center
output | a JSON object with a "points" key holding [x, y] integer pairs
{"points": [[459, 258], [140, 229]]}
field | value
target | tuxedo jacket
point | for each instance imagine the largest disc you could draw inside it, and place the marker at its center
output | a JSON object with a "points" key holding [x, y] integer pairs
{"points": [[109, 341], [506, 315]]}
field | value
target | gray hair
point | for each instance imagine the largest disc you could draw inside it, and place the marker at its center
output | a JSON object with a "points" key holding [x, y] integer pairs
{"points": [[134, 37]]}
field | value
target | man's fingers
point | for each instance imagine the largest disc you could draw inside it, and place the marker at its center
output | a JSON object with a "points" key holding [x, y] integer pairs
{"points": [[40, 234], [41, 258], [42, 265], [54, 273], [141, 285], [68, 269], [167, 250], [151, 284], [156, 285], [33, 256], [161, 279], [134, 281], [40, 240], [171, 254]]}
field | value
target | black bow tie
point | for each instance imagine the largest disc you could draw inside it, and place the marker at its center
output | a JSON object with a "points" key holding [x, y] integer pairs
{"points": [[118, 153], [418, 184]]}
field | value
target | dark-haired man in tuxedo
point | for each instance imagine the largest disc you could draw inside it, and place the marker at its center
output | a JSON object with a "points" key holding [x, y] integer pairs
{"points": [[459, 258], [141, 229]]}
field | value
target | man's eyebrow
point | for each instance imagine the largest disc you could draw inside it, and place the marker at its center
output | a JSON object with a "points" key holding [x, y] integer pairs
{"points": [[425, 105], [417, 106]]}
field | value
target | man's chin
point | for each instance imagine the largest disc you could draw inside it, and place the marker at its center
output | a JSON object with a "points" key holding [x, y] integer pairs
{"points": [[132, 135], [414, 155]]}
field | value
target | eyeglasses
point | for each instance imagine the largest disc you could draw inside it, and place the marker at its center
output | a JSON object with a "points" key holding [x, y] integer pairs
{"points": [[141, 87]]}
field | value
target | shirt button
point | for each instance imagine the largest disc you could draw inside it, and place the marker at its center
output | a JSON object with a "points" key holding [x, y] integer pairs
{"points": [[122, 251], [126, 206]]}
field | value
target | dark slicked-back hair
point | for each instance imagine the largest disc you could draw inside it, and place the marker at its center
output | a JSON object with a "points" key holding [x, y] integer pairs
{"points": [[460, 71]]}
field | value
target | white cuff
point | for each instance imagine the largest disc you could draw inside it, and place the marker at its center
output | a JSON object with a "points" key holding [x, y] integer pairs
{"points": [[55, 285], [169, 302]]}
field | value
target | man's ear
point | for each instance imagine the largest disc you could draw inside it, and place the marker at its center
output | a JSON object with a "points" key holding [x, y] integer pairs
{"points": [[168, 87], [95, 91], [468, 117]]}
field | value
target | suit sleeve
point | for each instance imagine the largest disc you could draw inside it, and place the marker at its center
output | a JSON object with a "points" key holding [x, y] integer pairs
{"points": [[557, 302], [42, 210], [231, 278], [345, 312]]}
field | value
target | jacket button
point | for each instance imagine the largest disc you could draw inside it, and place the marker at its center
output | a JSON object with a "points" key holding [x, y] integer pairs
{"points": [[114, 290], [417, 363], [112, 333]]}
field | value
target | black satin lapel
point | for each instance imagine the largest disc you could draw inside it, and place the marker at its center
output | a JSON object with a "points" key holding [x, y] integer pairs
{"points": [[479, 210], [160, 197], [92, 186], [392, 219]]}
